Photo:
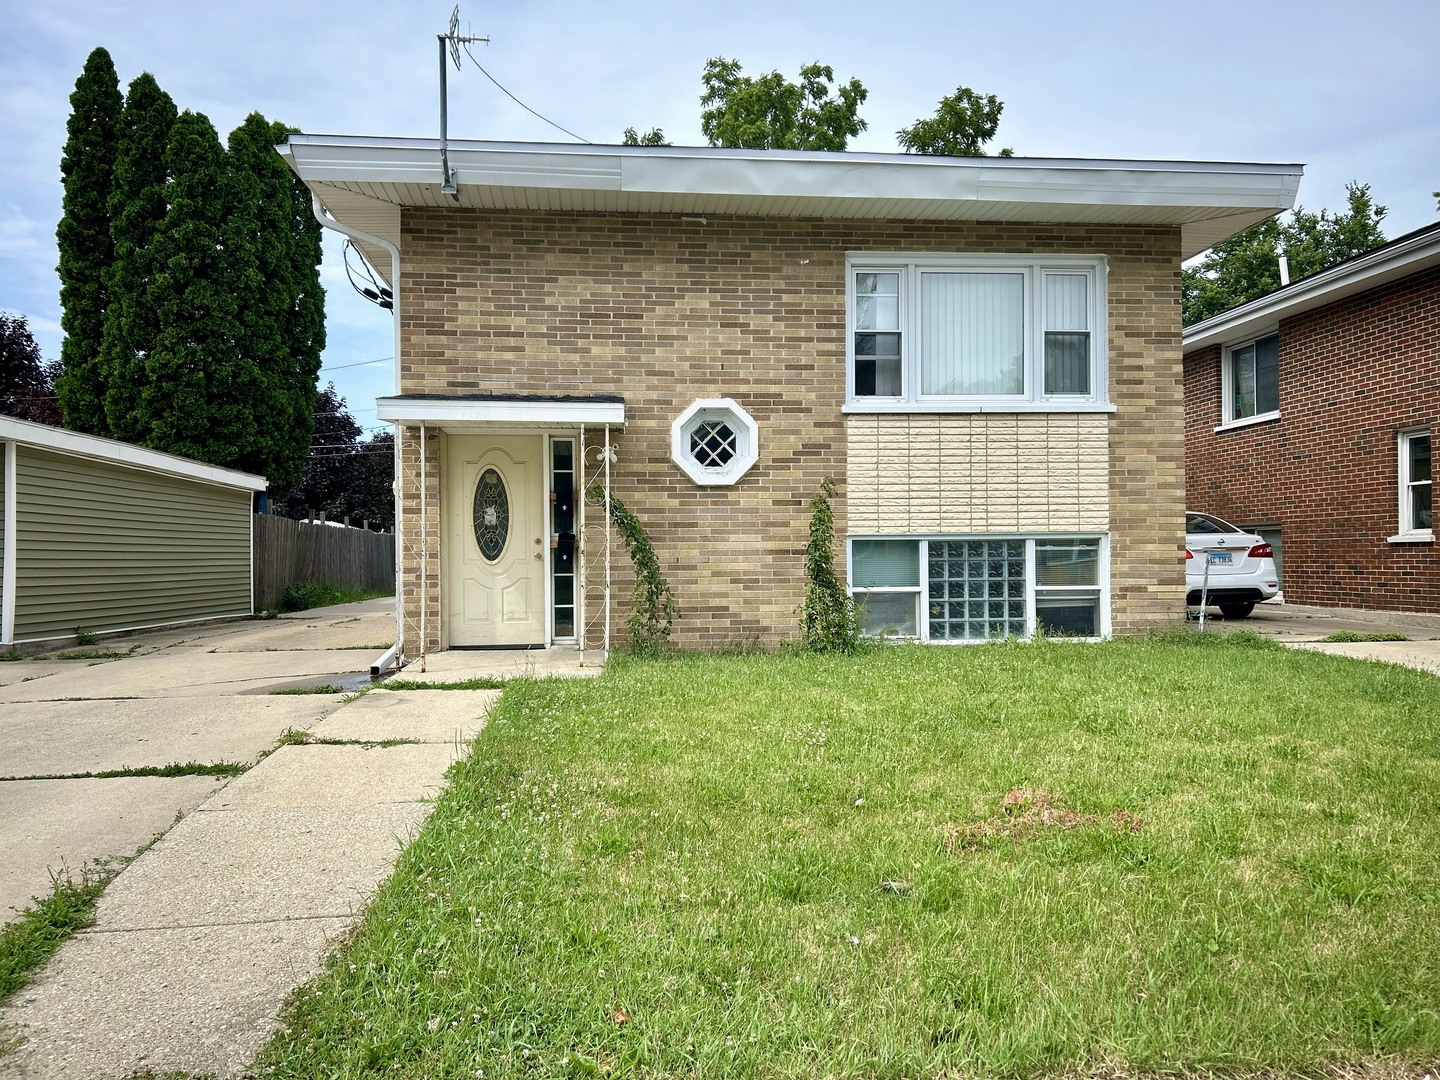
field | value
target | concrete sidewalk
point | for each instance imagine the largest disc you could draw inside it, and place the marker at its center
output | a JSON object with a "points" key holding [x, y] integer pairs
{"points": [[198, 941]]}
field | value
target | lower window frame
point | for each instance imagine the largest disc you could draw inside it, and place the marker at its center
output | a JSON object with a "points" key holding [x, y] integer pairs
{"points": [[921, 590]]}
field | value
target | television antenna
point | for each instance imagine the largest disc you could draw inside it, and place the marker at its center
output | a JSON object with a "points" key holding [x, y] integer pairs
{"points": [[450, 41]]}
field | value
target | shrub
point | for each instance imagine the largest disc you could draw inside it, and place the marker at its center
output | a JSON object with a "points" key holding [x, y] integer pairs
{"points": [[828, 620]]}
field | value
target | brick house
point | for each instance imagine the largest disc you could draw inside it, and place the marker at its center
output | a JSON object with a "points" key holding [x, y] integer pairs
{"points": [[1309, 414], [982, 354]]}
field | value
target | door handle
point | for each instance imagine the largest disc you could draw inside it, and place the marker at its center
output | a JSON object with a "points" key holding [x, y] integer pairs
{"points": [[537, 557]]}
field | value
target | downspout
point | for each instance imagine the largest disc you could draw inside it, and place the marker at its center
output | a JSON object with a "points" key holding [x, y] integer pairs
{"points": [[330, 222], [7, 583]]}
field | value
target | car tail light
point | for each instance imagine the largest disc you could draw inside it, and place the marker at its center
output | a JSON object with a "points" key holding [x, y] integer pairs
{"points": [[1262, 551], [1187, 554]]}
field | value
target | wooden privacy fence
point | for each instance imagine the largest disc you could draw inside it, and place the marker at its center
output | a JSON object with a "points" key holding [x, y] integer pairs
{"points": [[288, 552]]}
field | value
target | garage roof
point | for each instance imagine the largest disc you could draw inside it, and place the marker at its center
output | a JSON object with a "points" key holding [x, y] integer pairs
{"points": [[122, 453]]}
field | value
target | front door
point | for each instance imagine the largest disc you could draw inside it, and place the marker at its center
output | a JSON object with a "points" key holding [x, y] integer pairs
{"points": [[495, 562]]}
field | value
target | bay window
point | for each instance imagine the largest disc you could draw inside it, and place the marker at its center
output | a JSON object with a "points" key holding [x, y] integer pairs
{"points": [[1004, 332], [979, 588]]}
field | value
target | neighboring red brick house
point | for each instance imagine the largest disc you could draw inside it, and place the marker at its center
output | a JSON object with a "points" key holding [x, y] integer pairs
{"points": [[1310, 415]]}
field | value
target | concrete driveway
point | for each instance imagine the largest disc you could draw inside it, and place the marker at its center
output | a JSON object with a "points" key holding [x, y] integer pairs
{"points": [[1305, 627], [192, 694]]}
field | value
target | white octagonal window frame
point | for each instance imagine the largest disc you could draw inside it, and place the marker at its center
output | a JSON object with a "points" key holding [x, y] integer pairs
{"points": [[711, 410]]}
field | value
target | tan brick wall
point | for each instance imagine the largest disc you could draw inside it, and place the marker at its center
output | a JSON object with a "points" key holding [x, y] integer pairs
{"points": [[665, 311], [974, 473]]}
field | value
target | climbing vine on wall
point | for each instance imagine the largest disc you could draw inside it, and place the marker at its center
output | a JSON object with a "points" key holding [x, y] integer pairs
{"points": [[653, 607]]}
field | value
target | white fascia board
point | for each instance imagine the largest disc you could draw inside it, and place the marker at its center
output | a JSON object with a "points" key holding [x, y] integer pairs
{"points": [[75, 444], [401, 410], [1369, 271], [786, 175]]}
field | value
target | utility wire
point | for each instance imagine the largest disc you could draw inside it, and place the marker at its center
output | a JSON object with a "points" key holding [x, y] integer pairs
{"points": [[362, 363], [517, 101]]}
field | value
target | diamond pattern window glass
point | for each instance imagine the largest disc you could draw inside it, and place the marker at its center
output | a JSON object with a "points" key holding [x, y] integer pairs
{"points": [[977, 589], [713, 444], [492, 515]]}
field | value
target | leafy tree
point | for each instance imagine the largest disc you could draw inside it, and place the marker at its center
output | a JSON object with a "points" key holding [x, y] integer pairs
{"points": [[267, 268], [343, 476], [963, 123], [1247, 265], [137, 210], [772, 113], [87, 169], [27, 389], [653, 137], [197, 398]]}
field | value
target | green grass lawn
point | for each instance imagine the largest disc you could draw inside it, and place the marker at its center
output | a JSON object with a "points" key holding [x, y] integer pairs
{"points": [[797, 866]]}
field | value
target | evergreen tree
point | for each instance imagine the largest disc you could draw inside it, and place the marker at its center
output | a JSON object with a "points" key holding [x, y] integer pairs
{"points": [[87, 169], [259, 250], [197, 399], [137, 209], [305, 327]]}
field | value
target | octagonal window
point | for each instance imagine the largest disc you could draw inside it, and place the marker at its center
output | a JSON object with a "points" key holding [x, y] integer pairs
{"points": [[714, 441]]}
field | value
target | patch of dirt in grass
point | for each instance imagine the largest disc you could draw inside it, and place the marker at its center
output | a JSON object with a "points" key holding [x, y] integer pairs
{"points": [[1025, 814]]}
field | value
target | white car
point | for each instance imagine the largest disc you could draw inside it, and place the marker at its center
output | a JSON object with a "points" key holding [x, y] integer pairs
{"points": [[1242, 566]]}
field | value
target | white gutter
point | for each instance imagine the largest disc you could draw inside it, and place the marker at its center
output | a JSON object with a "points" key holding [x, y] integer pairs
{"points": [[440, 410], [7, 583], [1397, 259], [329, 222]]}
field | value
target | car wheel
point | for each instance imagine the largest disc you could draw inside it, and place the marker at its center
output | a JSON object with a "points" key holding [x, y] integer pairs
{"points": [[1236, 611]]}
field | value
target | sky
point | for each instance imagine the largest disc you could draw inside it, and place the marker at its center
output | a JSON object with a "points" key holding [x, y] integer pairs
{"points": [[1351, 91]]}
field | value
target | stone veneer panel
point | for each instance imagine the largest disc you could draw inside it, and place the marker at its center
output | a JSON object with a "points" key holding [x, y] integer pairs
{"points": [[665, 311], [978, 473]]}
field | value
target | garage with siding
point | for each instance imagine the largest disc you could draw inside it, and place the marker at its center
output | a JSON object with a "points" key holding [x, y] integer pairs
{"points": [[103, 536]]}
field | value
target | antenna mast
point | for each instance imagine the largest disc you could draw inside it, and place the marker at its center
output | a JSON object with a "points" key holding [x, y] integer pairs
{"points": [[453, 39]]}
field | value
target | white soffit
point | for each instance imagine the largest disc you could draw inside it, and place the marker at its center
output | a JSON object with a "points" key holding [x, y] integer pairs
{"points": [[453, 411], [364, 181], [60, 441], [1401, 257]]}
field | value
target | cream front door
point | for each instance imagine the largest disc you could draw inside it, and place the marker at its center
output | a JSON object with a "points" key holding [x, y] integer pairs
{"points": [[495, 562]]}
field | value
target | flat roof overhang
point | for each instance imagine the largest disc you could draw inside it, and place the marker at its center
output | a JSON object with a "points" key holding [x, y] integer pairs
{"points": [[496, 412], [365, 181]]}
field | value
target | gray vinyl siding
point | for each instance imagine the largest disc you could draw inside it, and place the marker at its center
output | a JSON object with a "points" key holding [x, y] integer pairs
{"points": [[106, 547]]}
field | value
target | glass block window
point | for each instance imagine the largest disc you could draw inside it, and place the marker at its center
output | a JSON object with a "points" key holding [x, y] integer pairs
{"points": [[977, 589]]}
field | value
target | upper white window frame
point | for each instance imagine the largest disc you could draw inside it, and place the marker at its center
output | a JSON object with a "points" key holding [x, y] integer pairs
{"points": [[1408, 528], [910, 265], [1227, 384]]}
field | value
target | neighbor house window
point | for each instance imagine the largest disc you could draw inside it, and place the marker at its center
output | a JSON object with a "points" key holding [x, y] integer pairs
{"points": [[1415, 486], [977, 589], [958, 331], [1252, 379]]}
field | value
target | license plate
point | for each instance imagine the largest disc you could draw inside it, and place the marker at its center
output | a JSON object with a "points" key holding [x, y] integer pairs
{"points": [[1220, 558]]}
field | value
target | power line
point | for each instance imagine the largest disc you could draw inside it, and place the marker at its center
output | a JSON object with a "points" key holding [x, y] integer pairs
{"points": [[517, 101], [362, 363]]}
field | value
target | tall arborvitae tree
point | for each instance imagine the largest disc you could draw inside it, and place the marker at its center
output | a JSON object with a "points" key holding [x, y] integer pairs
{"points": [[198, 398], [305, 329], [272, 269], [137, 208], [87, 169]]}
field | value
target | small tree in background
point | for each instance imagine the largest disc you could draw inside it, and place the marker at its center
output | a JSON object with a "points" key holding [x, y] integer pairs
{"points": [[963, 123], [828, 621], [27, 389], [653, 137], [137, 212], [87, 170], [343, 476], [769, 112]]}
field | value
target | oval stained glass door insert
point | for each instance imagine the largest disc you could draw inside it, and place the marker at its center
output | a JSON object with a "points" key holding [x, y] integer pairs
{"points": [[492, 514]]}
